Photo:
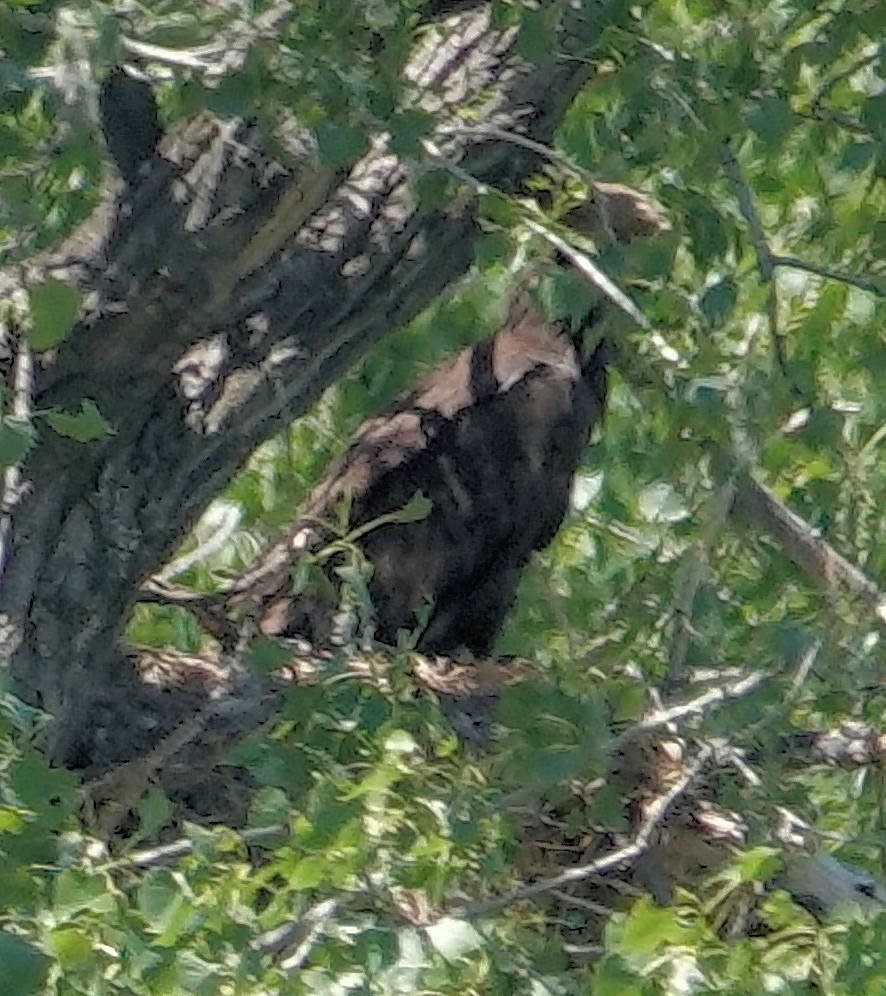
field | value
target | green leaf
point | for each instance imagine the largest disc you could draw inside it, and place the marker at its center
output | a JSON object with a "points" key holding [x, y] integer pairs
{"points": [[500, 209], [162, 903], [24, 967], [433, 189], [267, 655], [72, 947], [493, 249], [537, 40], [407, 130], [609, 809], [87, 425], [649, 926], [706, 228], [612, 977], [417, 508], [76, 890], [16, 438], [51, 792], [340, 144], [54, 307], [873, 114], [11, 820], [308, 873], [772, 119], [758, 864], [154, 812], [718, 300], [400, 742]]}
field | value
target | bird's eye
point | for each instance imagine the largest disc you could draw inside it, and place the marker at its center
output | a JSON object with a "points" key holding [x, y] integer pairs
{"points": [[866, 889]]}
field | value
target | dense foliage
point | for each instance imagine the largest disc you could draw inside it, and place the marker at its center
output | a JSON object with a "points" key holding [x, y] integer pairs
{"points": [[761, 130]]}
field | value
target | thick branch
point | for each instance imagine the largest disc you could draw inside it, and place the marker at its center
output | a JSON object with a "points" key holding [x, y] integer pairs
{"points": [[224, 294], [804, 546]]}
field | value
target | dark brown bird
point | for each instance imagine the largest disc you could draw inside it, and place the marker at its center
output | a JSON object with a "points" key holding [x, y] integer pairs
{"points": [[493, 440]]}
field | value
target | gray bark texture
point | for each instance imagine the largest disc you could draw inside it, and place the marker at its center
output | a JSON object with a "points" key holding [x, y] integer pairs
{"points": [[223, 293]]}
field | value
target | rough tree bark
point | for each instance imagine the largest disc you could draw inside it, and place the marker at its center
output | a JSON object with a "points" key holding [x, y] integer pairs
{"points": [[222, 294]]}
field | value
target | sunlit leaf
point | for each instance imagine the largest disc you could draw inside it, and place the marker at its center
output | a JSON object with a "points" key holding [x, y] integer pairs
{"points": [[85, 426], [54, 307]]}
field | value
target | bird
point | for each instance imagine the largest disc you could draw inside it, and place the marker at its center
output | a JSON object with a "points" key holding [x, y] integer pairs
{"points": [[481, 456]]}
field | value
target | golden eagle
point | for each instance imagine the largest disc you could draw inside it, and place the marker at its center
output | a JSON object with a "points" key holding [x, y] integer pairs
{"points": [[492, 439]]}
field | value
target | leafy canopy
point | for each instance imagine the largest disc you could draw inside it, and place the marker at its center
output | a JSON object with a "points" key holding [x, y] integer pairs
{"points": [[732, 115]]}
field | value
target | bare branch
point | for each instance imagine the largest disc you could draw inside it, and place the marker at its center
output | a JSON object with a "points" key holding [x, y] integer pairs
{"points": [[516, 138], [149, 857], [592, 273], [828, 86], [655, 814], [840, 118], [765, 264], [782, 706], [749, 212], [804, 546], [694, 707], [871, 285], [184, 58], [108, 799], [305, 932]]}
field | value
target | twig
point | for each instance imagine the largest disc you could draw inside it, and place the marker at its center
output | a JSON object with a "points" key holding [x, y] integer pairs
{"points": [[227, 521], [719, 505], [778, 709], [626, 855], [579, 902], [225, 54], [592, 273], [209, 610], [662, 717], [863, 283], [595, 276], [845, 120], [844, 74], [749, 212], [524, 142], [306, 932], [765, 264], [164, 853], [186, 58]]}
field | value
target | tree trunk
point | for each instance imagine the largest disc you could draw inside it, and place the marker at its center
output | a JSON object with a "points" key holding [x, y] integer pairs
{"points": [[222, 295]]}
